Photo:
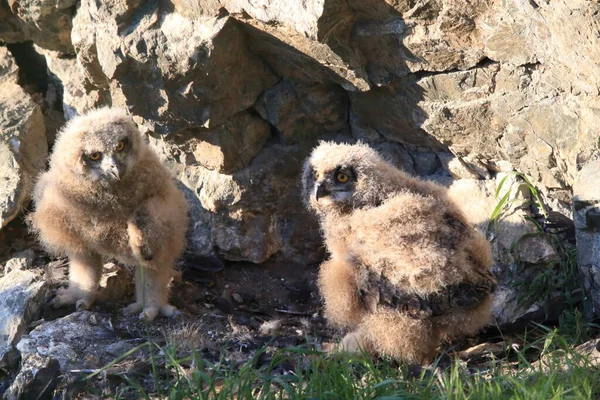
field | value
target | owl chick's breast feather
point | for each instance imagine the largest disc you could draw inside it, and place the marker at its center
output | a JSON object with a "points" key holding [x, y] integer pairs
{"points": [[402, 239]]}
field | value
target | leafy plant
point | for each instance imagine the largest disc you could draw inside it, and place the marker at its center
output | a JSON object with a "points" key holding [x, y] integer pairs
{"points": [[558, 281], [506, 200]]}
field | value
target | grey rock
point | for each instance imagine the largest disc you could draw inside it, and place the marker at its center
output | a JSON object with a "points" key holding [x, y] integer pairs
{"points": [[199, 236], [455, 166], [586, 214], [396, 154], [536, 250], [254, 213], [20, 261], [227, 148], [9, 71], [425, 163], [190, 72], [78, 93], [23, 147], [81, 340], [197, 8], [47, 23], [391, 111], [22, 294], [37, 379], [315, 47]]}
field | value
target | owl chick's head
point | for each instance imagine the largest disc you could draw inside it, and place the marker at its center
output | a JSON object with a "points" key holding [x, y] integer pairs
{"points": [[101, 146], [342, 177]]}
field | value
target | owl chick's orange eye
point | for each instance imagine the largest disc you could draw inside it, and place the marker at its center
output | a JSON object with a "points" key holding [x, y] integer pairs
{"points": [[120, 146], [342, 177], [317, 175], [94, 156]]}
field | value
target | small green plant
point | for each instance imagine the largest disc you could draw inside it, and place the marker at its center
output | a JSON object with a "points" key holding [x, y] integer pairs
{"points": [[557, 281], [554, 284], [506, 200]]}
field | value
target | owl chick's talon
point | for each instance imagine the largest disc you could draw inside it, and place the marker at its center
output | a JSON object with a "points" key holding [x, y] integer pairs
{"points": [[67, 297], [149, 314], [82, 305], [133, 308], [352, 343], [169, 311]]}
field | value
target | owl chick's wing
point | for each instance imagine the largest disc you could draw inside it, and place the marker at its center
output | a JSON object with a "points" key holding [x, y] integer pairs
{"points": [[415, 232], [379, 292]]}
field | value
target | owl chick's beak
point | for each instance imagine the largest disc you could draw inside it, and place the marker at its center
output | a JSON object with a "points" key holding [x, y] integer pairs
{"points": [[320, 191], [112, 170], [114, 173]]}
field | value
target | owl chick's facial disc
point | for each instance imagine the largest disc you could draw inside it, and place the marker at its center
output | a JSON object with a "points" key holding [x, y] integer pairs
{"points": [[99, 150], [337, 176], [106, 163], [333, 186]]}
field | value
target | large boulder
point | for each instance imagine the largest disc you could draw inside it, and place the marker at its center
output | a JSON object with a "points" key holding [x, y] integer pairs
{"points": [[47, 23], [23, 146], [77, 93], [251, 214], [189, 72]]}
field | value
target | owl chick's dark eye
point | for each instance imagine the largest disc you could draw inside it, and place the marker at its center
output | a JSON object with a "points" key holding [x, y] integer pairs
{"points": [[95, 156], [316, 175], [342, 177], [120, 146]]}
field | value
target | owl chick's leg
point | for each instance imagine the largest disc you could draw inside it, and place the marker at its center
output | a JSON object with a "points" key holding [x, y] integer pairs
{"points": [[141, 231], [337, 285], [152, 293], [389, 332], [84, 277]]}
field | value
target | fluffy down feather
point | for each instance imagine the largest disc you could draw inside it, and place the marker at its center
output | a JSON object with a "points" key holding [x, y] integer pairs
{"points": [[406, 269], [124, 205]]}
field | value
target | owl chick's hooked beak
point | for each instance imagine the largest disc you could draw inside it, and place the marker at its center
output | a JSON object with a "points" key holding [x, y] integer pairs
{"points": [[112, 169], [320, 190]]}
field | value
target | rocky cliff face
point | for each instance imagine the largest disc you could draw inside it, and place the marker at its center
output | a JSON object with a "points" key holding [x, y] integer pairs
{"points": [[234, 93]]}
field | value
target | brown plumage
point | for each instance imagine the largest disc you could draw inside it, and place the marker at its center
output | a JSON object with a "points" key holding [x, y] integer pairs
{"points": [[406, 269], [107, 195]]}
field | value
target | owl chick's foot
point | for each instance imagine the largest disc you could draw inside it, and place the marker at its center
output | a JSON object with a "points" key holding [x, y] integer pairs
{"points": [[151, 312], [166, 310], [68, 296], [352, 343], [133, 308]]}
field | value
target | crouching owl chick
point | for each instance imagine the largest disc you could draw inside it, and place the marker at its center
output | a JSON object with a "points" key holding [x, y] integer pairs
{"points": [[107, 195], [406, 270]]}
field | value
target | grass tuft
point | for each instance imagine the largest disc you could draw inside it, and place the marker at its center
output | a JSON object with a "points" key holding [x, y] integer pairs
{"points": [[304, 373]]}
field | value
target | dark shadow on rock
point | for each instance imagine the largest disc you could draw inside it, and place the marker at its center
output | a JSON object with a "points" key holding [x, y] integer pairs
{"points": [[33, 74], [388, 110]]}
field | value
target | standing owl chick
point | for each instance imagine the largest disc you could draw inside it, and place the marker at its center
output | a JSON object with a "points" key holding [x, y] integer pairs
{"points": [[406, 270], [107, 195]]}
